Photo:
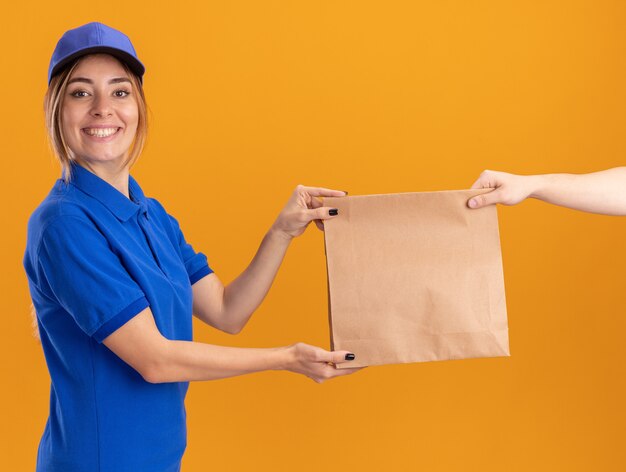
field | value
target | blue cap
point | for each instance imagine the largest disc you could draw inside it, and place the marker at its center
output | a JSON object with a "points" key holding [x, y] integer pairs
{"points": [[94, 38]]}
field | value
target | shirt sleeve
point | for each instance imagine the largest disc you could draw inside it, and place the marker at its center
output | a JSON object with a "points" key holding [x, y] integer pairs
{"points": [[87, 278], [195, 262]]}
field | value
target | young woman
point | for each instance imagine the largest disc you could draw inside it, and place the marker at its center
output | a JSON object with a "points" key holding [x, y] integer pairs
{"points": [[114, 283]]}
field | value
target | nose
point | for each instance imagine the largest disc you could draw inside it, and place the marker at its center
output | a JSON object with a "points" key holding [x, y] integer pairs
{"points": [[101, 106]]}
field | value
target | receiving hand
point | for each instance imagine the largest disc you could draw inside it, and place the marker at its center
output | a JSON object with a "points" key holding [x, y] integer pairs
{"points": [[509, 189], [302, 208]]}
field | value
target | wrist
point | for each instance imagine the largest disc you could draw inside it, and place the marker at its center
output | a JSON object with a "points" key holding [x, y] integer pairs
{"points": [[279, 236], [538, 184], [284, 358]]}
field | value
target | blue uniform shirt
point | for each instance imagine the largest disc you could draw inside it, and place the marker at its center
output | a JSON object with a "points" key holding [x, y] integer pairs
{"points": [[95, 259]]}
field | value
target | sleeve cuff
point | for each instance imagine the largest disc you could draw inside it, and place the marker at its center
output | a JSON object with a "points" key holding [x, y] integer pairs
{"points": [[121, 318], [197, 275], [197, 267]]}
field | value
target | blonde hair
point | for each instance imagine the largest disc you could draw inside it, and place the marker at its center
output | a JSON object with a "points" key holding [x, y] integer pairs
{"points": [[53, 102]]}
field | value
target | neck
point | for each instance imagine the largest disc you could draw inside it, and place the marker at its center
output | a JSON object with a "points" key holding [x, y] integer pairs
{"points": [[110, 172]]}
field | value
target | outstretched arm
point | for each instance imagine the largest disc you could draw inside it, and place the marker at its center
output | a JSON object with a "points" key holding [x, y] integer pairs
{"points": [[598, 192], [140, 344]]}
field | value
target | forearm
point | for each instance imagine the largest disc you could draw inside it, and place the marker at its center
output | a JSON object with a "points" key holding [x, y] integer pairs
{"points": [[244, 294], [183, 361], [158, 359], [229, 308], [599, 192]]}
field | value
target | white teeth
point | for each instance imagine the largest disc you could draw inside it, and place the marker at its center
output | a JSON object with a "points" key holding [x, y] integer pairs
{"points": [[100, 132]]}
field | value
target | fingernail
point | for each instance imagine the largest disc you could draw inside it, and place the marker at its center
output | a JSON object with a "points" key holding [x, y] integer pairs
{"points": [[333, 212], [345, 191], [350, 357], [472, 203]]}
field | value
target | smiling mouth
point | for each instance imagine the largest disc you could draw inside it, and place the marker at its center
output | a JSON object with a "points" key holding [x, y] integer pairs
{"points": [[100, 132]]}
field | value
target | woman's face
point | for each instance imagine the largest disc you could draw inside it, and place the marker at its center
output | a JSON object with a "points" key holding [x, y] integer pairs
{"points": [[99, 110]]}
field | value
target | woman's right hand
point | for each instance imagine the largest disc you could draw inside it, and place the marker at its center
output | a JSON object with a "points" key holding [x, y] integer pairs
{"points": [[302, 208], [317, 363]]}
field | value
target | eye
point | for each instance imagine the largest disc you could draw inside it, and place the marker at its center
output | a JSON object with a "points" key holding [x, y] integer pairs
{"points": [[121, 91], [77, 93]]}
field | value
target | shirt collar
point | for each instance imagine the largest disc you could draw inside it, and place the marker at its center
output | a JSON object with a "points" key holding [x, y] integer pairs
{"points": [[121, 206]]}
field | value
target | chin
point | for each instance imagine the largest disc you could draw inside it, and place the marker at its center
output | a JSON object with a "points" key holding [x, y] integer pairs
{"points": [[94, 158]]}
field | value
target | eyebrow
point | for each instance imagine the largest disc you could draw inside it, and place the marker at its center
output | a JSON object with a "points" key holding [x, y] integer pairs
{"points": [[85, 80]]}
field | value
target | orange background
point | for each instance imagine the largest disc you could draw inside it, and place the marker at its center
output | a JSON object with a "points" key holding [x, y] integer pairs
{"points": [[249, 99]]}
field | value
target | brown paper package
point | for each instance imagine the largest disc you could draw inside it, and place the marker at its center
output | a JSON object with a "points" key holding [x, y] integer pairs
{"points": [[415, 277]]}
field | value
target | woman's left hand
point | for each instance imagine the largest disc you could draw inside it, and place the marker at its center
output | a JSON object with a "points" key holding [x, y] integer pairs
{"points": [[304, 207]]}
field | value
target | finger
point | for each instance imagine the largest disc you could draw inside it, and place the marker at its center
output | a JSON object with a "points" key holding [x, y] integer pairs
{"points": [[330, 372], [338, 357], [316, 203], [347, 371], [324, 192], [319, 224], [490, 198], [480, 183], [485, 180], [322, 213]]}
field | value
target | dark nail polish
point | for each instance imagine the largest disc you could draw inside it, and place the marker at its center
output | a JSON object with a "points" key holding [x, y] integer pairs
{"points": [[333, 212], [350, 357], [345, 191]]}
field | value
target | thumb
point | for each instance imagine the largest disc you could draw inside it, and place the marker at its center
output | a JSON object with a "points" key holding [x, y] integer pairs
{"points": [[339, 357], [490, 198], [322, 213]]}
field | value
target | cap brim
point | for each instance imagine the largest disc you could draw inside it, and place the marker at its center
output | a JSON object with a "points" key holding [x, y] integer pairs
{"points": [[135, 65]]}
